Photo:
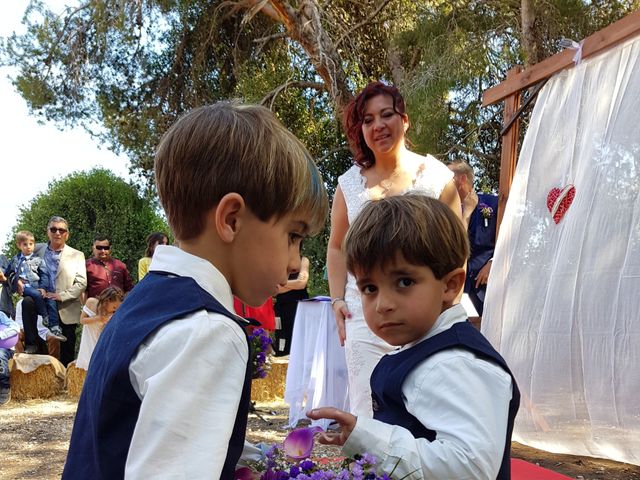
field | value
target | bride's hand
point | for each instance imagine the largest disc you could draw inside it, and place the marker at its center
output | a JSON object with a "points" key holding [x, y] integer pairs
{"points": [[341, 312]]}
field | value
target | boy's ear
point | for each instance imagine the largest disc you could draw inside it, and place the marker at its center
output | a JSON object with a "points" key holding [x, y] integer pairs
{"points": [[227, 216], [453, 283]]}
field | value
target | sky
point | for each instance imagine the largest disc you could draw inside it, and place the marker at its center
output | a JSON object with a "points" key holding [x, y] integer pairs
{"points": [[31, 154]]}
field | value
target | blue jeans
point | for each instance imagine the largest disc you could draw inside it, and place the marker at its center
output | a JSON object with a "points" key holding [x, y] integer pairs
{"points": [[46, 307], [5, 355]]}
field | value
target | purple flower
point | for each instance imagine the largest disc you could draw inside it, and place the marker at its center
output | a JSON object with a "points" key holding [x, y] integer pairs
{"points": [[485, 210], [299, 443], [307, 465]]}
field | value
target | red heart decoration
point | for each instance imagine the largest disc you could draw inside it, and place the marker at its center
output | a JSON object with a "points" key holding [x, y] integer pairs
{"points": [[559, 201]]}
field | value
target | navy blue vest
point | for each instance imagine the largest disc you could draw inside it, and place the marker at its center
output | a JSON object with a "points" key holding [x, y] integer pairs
{"points": [[109, 407], [389, 375]]}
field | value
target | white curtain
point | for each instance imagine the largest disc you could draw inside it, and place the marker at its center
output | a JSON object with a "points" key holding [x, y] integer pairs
{"points": [[563, 303]]}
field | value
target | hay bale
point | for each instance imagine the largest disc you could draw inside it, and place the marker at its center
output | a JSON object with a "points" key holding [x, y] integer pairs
{"points": [[36, 376], [271, 387], [74, 380]]}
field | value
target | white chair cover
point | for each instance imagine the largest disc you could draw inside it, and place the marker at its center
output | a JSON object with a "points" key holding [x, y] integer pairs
{"points": [[317, 372], [563, 303]]}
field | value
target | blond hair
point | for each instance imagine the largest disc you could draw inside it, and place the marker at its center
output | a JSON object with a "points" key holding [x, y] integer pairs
{"points": [[422, 229], [460, 167], [229, 147], [24, 235]]}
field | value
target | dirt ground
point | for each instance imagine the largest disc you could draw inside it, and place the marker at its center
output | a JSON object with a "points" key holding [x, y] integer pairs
{"points": [[35, 436]]}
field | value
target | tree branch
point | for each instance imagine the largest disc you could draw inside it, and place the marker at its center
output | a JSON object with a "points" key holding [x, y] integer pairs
{"points": [[363, 23], [268, 38], [331, 152], [271, 96]]}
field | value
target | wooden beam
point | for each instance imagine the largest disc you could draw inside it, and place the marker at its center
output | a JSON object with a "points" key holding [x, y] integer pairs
{"points": [[599, 41], [509, 147]]}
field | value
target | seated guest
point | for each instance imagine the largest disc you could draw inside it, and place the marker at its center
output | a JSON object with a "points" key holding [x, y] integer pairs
{"points": [[29, 277], [8, 330], [45, 343], [153, 240], [6, 305], [105, 271], [96, 312], [67, 266]]}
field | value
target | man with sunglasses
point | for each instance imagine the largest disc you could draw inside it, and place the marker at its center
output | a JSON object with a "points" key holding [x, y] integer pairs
{"points": [[104, 271], [67, 266]]}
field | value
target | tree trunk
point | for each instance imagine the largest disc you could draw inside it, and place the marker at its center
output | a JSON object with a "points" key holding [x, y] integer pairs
{"points": [[529, 41], [305, 27]]}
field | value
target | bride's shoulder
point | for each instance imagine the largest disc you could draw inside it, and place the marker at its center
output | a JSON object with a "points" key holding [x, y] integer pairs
{"points": [[352, 176]]}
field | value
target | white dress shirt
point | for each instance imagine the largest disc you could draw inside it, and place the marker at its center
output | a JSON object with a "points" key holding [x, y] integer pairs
{"points": [[463, 398], [189, 375]]}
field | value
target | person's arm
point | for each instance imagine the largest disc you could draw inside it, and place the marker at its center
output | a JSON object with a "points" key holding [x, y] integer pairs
{"points": [[177, 372], [300, 282], [336, 263], [89, 314], [77, 264], [143, 267], [450, 197], [468, 410]]}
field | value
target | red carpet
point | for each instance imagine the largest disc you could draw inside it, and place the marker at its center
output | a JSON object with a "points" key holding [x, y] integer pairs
{"points": [[521, 470]]}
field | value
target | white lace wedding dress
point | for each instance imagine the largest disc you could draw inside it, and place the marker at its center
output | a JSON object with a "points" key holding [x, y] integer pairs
{"points": [[362, 348]]}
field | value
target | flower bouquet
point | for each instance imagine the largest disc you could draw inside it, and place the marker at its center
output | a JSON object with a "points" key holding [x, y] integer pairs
{"points": [[486, 211], [260, 341], [293, 460]]}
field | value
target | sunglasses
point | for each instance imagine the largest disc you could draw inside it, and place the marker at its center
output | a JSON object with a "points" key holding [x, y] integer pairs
{"points": [[61, 231], [103, 247]]}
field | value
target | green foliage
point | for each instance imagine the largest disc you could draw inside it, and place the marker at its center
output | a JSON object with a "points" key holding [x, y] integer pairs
{"points": [[94, 202], [126, 69], [457, 49]]}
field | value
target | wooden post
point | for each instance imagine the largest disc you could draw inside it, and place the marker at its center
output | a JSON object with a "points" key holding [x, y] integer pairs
{"points": [[509, 147]]}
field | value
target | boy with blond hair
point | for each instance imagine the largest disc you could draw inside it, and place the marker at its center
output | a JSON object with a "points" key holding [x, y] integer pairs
{"points": [[444, 402], [167, 392], [29, 276]]}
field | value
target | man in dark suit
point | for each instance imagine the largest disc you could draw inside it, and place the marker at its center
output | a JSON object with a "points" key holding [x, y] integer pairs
{"points": [[479, 212]]}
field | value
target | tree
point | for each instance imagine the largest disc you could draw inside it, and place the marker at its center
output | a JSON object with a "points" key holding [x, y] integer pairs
{"points": [[126, 69], [94, 202]]}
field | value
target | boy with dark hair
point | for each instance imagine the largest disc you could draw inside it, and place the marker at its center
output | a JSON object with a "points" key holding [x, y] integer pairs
{"points": [[167, 392], [444, 402]]}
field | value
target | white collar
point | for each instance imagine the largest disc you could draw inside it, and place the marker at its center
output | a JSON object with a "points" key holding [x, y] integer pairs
{"points": [[171, 259], [449, 317]]}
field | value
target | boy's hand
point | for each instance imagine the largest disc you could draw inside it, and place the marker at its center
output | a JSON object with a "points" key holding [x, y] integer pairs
{"points": [[43, 292], [20, 287], [54, 296], [346, 420]]}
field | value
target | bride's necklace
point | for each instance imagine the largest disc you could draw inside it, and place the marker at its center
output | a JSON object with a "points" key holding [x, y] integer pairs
{"points": [[387, 183]]}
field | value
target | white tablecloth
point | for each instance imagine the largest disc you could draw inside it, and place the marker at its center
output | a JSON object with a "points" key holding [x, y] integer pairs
{"points": [[317, 373]]}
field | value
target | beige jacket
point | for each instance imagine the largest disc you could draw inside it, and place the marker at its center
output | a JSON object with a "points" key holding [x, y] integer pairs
{"points": [[71, 281]]}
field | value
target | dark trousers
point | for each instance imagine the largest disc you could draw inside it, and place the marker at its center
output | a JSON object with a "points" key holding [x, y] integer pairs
{"points": [[5, 355], [30, 322], [68, 348], [287, 313], [30, 326], [46, 307]]}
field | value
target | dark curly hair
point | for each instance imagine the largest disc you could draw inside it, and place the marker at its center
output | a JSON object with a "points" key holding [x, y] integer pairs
{"points": [[354, 116]]}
